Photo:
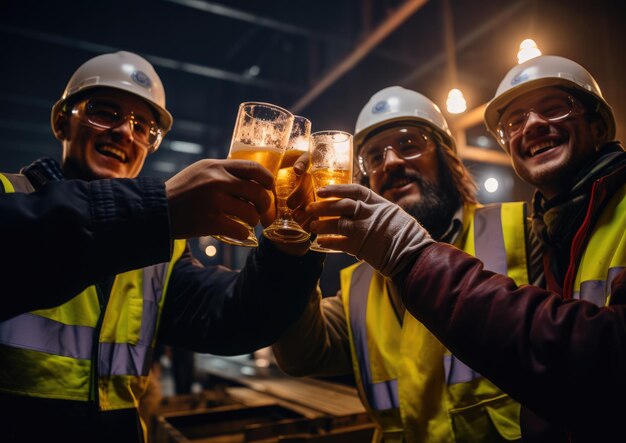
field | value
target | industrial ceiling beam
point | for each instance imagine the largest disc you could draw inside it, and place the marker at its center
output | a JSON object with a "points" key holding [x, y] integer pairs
{"points": [[379, 34], [288, 28], [466, 41], [164, 62]]}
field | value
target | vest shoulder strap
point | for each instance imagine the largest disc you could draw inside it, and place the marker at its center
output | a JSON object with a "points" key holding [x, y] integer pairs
{"points": [[15, 183]]}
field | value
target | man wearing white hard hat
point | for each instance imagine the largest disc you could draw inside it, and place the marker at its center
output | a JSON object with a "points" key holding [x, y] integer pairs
{"points": [[561, 352], [413, 387], [99, 258]]}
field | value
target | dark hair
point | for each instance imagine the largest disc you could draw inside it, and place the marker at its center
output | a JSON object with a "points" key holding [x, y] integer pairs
{"points": [[462, 180]]}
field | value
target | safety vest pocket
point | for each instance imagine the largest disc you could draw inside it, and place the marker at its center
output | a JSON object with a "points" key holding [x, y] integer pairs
{"points": [[135, 309], [493, 420]]}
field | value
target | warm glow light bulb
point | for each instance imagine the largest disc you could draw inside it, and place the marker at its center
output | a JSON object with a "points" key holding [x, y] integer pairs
{"points": [[527, 49], [210, 251], [456, 102], [491, 185]]}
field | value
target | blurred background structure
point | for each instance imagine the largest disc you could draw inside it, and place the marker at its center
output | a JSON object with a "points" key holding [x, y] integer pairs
{"points": [[322, 59]]}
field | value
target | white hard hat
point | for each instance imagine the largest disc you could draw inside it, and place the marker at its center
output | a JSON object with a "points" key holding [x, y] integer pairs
{"points": [[398, 104], [539, 72], [120, 70]]}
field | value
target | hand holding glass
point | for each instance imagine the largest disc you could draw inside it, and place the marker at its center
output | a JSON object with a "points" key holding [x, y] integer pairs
{"points": [[261, 134], [331, 164], [285, 229]]}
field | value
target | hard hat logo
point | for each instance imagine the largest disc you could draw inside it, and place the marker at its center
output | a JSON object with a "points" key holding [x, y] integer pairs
{"points": [[380, 107], [520, 78], [141, 78], [401, 105]]}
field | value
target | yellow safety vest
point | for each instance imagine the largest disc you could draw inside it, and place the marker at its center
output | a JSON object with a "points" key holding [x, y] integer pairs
{"points": [[414, 389], [605, 254], [81, 348]]}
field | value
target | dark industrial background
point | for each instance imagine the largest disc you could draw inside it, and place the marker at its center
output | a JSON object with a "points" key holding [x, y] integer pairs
{"points": [[322, 59]]}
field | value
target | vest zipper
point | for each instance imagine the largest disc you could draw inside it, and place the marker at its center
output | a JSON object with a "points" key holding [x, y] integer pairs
{"points": [[95, 354]]}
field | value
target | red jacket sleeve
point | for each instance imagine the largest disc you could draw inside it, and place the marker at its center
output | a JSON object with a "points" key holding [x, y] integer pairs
{"points": [[565, 360]]}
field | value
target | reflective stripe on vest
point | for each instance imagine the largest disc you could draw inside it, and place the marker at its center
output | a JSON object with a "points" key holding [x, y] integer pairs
{"points": [[16, 183], [489, 239], [604, 256], [456, 371], [29, 331], [382, 395]]}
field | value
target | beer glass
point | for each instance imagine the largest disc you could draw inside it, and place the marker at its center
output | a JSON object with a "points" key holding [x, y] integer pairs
{"points": [[331, 164], [261, 134], [285, 229]]}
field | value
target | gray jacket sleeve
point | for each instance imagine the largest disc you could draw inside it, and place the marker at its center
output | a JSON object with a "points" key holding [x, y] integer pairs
{"points": [[318, 344]]}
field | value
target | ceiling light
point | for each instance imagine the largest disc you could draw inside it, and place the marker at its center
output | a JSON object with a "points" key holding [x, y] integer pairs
{"points": [[456, 102], [527, 49], [210, 251], [186, 147], [253, 71], [491, 185]]}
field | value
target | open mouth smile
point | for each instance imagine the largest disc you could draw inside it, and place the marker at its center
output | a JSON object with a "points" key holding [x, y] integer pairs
{"points": [[399, 183], [113, 152], [544, 145]]}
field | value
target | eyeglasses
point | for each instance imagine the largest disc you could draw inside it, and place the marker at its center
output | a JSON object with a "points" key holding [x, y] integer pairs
{"points": [[372, 157], [551, 109], [104, 115]]}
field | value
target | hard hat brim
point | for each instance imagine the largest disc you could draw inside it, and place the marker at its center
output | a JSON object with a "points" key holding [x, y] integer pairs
{"points": [[362, 135]]}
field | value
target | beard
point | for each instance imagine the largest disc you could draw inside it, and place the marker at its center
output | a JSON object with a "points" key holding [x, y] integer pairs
{"points": [[437, 205]]}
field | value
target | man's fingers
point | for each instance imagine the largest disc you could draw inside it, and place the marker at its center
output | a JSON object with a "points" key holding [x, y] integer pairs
{"points": [[331, 208], [231, 228], [329, 226], [249, 170], [302, 164], [353, 191], [241, 209], [302, 218], [270, 215], [303, 194], [336, 243], [258, 196]]}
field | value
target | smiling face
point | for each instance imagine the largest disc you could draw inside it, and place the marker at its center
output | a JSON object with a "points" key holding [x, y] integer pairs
{"points": [[95, 152], [418, 183], [549, 154], [397, 179]]}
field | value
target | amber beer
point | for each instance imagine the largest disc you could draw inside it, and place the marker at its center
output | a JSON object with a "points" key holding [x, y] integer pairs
{"points": [[325, 176], [267, 156], [286, 180]]}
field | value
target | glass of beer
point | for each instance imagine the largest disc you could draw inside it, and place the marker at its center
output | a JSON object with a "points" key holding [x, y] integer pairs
{"points": [[261, 134], [331, 164], [285, 229]]}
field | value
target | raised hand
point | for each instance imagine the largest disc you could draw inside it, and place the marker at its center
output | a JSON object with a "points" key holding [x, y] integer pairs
{"points": [[202, 195], [372, 228]]}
